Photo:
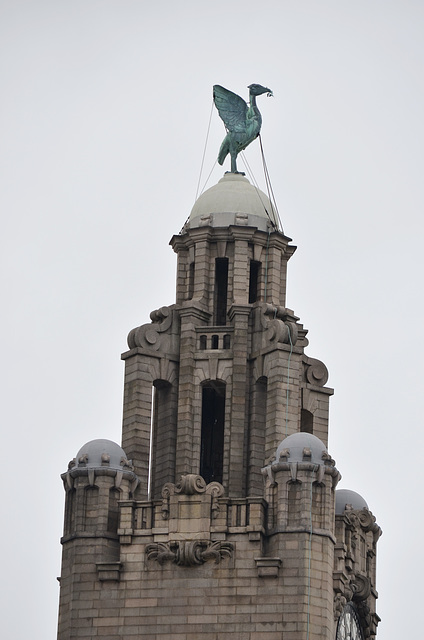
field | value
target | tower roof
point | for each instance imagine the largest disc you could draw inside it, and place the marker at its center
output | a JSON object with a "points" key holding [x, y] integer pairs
{"points": [[296, 444], [345, 497], [233, 201], [100, 453]]}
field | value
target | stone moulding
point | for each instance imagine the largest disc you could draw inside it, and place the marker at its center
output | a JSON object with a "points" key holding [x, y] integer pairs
{"points": [[268, 567], [109, 571], [326, 468], [189, 553]]}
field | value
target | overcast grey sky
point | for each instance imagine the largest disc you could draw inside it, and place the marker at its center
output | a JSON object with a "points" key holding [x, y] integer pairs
{"points": [[104, 112]]}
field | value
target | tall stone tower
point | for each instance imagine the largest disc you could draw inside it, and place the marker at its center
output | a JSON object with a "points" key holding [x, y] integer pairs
{"points": [[219, 518]]}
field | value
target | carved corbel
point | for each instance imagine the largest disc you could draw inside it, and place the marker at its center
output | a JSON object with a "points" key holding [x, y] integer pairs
{"points": [[189, 553], [340, 602], [154, 336], [168, 490], [361, 587], [278, 325], [216, 490]]}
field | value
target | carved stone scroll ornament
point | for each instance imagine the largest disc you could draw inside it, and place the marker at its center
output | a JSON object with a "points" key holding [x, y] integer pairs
{"points": [[154, 336], [361, 587], [189, 553], [316, 372], [278, 324], [362, 519], [189, 485]]}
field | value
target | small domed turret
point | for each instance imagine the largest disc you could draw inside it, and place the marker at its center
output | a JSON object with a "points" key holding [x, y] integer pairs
{"points": [[345, 497], [98, 454], [300, 447]]}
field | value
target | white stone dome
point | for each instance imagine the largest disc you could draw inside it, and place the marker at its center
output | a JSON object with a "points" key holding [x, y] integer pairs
{"points": [[345, 496], [101, 453], [233, 201], [296, 444]]}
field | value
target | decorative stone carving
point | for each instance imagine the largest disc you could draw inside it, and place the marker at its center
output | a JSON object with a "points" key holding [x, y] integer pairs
{"points": [[157, 335], [361, 587], [127, 464], [362, 519], [189, 553], [316, 372], [339, 604], [189, 485], [275, 324]]}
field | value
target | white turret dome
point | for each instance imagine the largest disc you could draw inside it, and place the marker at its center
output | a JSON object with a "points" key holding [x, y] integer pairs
{"points": [[233, 201]]}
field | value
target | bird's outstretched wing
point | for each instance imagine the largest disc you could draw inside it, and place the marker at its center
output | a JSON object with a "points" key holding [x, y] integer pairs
{"points": [[231, 108]]}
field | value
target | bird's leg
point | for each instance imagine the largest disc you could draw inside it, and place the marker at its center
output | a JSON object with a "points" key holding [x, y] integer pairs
{"points": [[234, 162]]}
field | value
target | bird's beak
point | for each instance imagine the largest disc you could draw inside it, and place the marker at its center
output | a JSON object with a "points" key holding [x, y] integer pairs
{"points": [[269, 93]]}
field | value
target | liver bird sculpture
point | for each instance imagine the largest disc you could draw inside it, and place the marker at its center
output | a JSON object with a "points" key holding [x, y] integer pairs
{"points": [[243, 122]]}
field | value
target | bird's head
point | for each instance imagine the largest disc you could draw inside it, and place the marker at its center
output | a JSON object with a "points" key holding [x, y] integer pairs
{"points": [[258, 90]]}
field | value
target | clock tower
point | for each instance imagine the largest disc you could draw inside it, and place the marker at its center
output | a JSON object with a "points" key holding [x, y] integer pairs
{"points": [[219, 516]]}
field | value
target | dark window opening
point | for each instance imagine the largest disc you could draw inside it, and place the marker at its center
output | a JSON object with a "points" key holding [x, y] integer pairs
{"points": [[113, 513], [162, 436], [215, 342], [227, 341], [191, 281], [212, 437], [253, 280], [306, 421], [221, 289], [203, 342]]}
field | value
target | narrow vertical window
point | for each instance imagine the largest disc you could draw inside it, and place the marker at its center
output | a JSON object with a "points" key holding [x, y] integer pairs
{"points": [[113, 512], [221, 289], [253, 280], [212, 436], [306, 421], [190, 281], [163, 436]]}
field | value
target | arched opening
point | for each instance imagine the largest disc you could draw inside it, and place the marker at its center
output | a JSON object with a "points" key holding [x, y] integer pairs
{"points": [[203, 342], [215, 342], [227, 341], [212, 433]]}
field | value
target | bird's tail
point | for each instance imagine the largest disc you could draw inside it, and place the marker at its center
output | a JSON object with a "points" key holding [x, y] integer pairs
{"points": [[224, 151]]}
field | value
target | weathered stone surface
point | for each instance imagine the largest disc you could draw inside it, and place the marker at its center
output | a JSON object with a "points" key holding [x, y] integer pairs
{"points": [[153, 550]]}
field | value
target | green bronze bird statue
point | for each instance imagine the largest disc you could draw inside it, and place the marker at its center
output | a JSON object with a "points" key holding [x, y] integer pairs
{"points": [[242, 121]]}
